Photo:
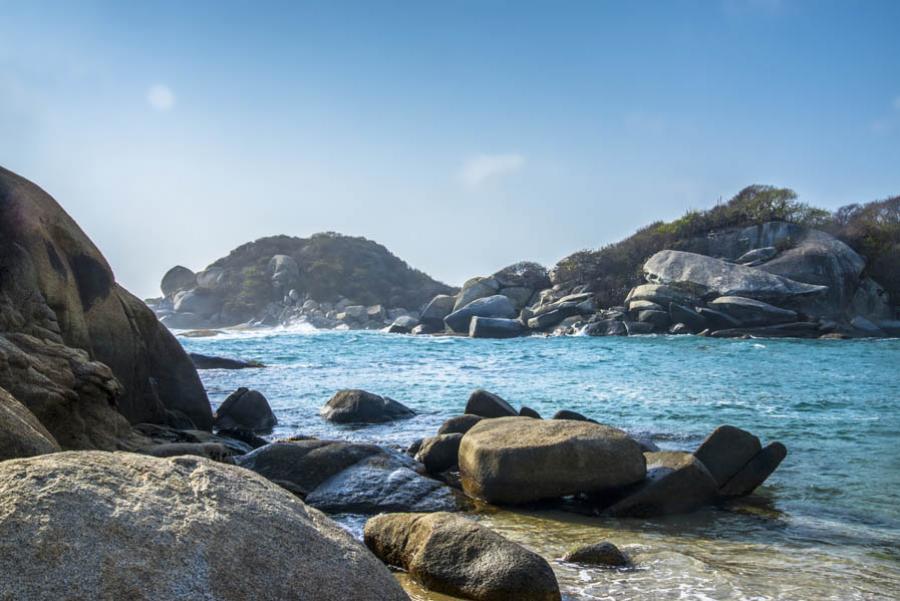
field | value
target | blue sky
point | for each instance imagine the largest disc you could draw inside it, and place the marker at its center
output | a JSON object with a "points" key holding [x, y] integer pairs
{"points": [[461, 135]]}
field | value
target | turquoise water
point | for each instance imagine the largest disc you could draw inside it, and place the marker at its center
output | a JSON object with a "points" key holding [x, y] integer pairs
{"points": [[826, 525]]}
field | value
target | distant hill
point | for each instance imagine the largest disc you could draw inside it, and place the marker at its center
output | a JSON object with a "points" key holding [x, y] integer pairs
{"points": [[325, 267]]}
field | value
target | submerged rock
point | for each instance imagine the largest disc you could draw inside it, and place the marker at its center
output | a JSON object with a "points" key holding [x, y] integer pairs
{"points": [[456, 556], [603, 554], [487, 404], [246, 410], [490, 306], [210, 362], [125, 526], [518, 459], [361, 407]]}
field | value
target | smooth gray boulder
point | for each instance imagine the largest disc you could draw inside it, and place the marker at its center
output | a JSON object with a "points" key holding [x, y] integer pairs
{"points": [[199, 301], [717, 320], [751, 312], [518, 459], [487, 404], [245, 410], [660, 320], [490, 306], [638, 328], [660, 294], [550, 318], [706, 276], [676, 482], [475, 288], [211, 362], [436, 310], [116, 526], [644, 305], [453, 555], [865, 326], [495, 327], [726, 450], [361, 407]]}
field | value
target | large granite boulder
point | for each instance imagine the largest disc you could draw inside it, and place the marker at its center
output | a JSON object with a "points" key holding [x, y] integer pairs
{"points": [[21, 434], [361, 407], [246, 409], [203, 303], [475, 288], [487, 404], [751, 312], [676, 482], [519, 459], [705, 276], [117, 526], [177, 279], [77, 349], [284, 271], [660, 294], [456, 556], [490, 306]]}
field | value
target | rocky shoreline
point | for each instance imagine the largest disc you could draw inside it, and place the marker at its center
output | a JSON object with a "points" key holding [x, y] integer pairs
{"points": [[772, 279]]}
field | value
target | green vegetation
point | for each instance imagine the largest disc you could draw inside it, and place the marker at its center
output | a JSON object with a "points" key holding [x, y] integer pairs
{"points": [[871, 229]]}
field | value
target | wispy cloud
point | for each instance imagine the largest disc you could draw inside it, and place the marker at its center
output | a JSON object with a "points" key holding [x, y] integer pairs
{"points": [[161, 97], [480, 168]]}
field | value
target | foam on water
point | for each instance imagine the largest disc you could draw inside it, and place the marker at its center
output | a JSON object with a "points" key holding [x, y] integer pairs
{"points": [[825, 526]]}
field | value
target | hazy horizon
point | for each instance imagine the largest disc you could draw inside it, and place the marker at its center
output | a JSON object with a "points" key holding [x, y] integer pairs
{"points": [[463, 136]]}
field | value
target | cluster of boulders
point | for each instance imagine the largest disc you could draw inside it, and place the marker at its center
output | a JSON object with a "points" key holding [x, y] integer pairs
{"points": [[772, 280]]}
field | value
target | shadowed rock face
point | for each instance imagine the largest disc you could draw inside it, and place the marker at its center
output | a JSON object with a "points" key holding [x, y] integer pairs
{"points": [[21, 434], [117, 526], [76, 347]]}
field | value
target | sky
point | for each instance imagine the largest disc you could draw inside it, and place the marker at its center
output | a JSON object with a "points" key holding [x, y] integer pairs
{"points": [[463, 136]]}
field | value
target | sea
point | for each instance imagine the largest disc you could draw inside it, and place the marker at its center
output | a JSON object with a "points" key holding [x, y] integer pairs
{"points": [[826, 525]]}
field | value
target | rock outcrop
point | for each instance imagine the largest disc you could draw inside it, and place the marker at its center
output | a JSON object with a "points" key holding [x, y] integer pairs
{"points": [[453, 555], [107, 527], [80, 352]]}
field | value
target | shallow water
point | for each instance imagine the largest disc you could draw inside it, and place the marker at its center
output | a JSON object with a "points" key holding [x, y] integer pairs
{"points": [[825, 526]]}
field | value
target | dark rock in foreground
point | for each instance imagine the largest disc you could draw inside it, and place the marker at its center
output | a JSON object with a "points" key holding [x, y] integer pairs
{"points": [[440, 453], [726, 451], [196, 529], [676, 483], [456, 556], [361, 407]]}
